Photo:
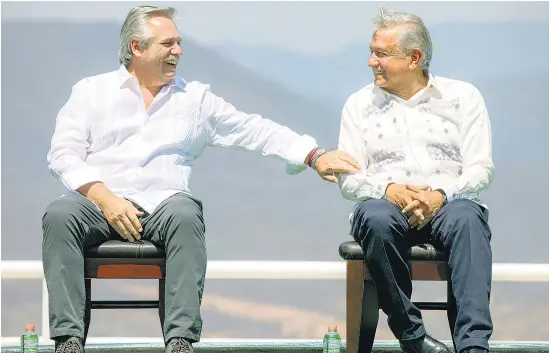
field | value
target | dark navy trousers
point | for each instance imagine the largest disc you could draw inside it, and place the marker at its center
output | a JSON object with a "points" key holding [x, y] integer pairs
{"points": [[461, 229]]}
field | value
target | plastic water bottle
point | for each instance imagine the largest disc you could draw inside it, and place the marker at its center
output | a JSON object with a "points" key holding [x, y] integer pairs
{"points": [[332, 341], [29, 340]]}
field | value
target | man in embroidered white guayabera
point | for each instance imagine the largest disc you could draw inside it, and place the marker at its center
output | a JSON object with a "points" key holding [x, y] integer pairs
{"points": [[124, 145], [424, 146]]}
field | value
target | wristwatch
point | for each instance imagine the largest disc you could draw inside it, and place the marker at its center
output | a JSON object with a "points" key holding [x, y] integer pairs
{"points": [[444, 198], [319, 152]]}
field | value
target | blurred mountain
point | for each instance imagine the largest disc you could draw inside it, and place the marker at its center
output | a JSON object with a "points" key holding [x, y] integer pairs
{"points": [[464, 51], [252, 209]]}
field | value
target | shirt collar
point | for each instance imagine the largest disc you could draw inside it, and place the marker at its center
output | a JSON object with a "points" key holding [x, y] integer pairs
{"points": [[124, 76], [431, 88]]}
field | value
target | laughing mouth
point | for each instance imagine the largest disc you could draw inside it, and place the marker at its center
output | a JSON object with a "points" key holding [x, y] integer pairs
{"points": [[171, 63]]}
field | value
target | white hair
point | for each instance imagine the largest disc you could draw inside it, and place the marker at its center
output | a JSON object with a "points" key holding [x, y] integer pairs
{"points": [[136, 27], [414, 36]]}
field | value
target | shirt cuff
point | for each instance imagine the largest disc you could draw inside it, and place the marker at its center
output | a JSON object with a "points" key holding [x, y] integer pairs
{"points": [[295, 160], [75, 178], [376, 191]]}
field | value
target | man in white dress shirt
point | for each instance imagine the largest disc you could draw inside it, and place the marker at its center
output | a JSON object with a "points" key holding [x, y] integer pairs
{"points": [[424, 146], [124, 145]]}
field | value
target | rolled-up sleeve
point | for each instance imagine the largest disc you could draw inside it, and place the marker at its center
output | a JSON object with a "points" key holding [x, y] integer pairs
{"points": [[251, 132], [476, 149], [67, 155], [364, 185]]}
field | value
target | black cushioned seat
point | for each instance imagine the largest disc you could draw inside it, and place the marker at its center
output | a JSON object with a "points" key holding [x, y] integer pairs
{"points": [[125, 249], [350, 250]]}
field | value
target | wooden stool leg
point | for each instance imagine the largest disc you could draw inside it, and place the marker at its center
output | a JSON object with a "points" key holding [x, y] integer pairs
{"points": [[362, 309], [355, 283], [87, 308], [369, 317], [451, 310], [162, 304]]}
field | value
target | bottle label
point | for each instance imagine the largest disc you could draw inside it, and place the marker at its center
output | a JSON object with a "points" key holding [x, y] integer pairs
{"points": [[333, 346], [30, 345]]}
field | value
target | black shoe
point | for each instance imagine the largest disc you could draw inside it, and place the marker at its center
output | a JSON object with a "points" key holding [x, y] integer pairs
{"points": [[69, 344], [179, 345], [426, 344]]}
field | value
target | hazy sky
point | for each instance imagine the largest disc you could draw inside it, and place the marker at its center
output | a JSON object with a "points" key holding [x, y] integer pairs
{"points": [[252, 210], [329, 25]]}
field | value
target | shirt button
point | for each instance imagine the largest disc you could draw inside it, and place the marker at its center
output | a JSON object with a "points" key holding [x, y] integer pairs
{"points": [[408, 173], [446, 130], [380, 136], [389, 178], [438, 171]]}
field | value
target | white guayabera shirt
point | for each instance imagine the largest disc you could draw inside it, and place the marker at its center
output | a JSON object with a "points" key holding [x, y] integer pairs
{"points": [[103, 133], [440, 137]]}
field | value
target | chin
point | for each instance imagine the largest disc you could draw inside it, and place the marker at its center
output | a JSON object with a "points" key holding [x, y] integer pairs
{"points": [[380, 83]]}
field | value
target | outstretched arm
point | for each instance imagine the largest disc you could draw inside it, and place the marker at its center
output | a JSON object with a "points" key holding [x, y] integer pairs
{"points": [[251, 132]]}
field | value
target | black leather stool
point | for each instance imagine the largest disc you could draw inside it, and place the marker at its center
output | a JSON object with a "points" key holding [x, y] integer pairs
{"points": [[362, 307], [117, 259]]}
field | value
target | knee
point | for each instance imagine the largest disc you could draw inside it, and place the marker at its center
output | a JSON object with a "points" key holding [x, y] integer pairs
{"points": [[463, 211], [60, 224], [378, 215], [185, 213], [59, 213], [467, 215]]}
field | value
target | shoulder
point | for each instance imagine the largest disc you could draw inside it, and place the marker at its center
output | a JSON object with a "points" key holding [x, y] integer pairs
{"points": [[100, 79], [192, 86], [462, 89], [364, 95]]}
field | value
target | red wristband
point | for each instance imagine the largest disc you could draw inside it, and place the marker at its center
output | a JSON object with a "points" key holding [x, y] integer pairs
{"points": [[310, 156]]}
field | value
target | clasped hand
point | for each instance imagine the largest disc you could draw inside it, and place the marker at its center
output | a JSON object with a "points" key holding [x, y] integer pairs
{"points": [[418, 203]]}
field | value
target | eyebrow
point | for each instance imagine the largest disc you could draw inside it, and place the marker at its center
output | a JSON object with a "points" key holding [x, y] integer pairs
{"points": [[171, 39]]}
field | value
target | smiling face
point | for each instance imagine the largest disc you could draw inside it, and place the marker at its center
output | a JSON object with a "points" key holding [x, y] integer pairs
{"points": [[391, 67], [158, 61]]}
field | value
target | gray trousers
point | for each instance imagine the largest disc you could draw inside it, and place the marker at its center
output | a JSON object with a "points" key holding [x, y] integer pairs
{"points": [[73, 223], [461, 229]]}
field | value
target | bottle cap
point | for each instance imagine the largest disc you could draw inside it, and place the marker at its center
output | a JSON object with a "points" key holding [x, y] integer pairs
{"points": [[332, 328], [29, 327]]}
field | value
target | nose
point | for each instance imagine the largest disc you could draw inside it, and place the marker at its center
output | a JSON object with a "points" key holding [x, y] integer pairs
{"points": [[372, 61], [176, 50]]}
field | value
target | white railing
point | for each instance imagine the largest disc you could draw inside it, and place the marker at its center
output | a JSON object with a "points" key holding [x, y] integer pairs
{"points": [[315, 270]]}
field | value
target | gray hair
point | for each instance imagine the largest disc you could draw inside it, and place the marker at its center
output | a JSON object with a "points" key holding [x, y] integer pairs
{"points": [[415, 35], [136, 27]]}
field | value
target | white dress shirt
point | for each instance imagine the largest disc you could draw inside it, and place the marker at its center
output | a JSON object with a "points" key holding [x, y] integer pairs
{"points": [[440, 137], [104, 133]]}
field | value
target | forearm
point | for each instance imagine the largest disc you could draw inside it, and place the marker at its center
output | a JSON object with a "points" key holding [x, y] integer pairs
{"points": [[362, 187], [97, 192], [470, 185], [474, 181], [69, 167]]}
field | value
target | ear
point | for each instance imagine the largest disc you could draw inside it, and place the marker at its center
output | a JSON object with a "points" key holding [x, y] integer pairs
{"points": [[415, 58], [136, 48]]}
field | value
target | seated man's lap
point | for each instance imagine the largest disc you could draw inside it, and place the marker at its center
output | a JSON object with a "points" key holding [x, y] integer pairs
{"points": [[382, 214]]}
